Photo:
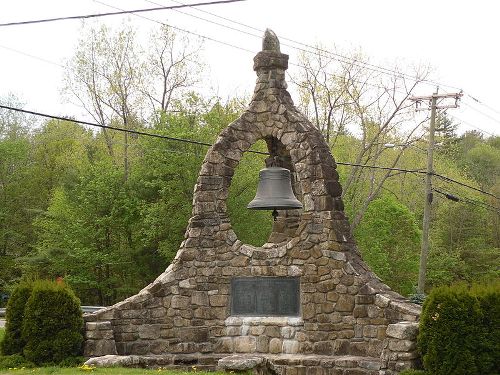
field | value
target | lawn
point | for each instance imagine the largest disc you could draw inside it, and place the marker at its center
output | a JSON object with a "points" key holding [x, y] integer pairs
{"points": [[97, 371]]}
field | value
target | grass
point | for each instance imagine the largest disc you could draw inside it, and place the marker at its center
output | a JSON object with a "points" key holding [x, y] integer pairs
{"points": [[2, 333], [99, 371]]}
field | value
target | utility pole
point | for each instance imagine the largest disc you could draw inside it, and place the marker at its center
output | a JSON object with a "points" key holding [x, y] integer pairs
{"points": [[428, 177]]}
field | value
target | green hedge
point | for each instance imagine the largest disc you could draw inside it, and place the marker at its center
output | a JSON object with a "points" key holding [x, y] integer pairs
{"points": [[52, 325], [459, 330], [44, 324], [13, 342]]}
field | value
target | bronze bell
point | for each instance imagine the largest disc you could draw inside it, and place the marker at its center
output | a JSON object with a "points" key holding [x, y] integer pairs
{"points": [[274, 191]]}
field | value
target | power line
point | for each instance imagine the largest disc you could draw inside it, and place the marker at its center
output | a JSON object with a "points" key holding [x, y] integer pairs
{"points": [[370, 66], [449, 179], [373, 67], [483, 104], [482, 113], [133, 11], [347, 59], [32, 56], [137, 132], [239, 47], [419, 171], [472, 126], [467, 200]]}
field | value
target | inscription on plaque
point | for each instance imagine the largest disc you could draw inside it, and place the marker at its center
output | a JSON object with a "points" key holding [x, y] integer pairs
{"points": [[265, 296]]}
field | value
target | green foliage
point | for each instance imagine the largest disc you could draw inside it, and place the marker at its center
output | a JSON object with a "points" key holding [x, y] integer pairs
{"points": [[14, 361], [13, 342], [456, 336], [251, 226], [463, 246], [488, 296], [389, 239], [52, 325]]}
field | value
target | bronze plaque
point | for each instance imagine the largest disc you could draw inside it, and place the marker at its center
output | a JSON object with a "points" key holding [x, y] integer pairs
{"points": [[265, 296]]}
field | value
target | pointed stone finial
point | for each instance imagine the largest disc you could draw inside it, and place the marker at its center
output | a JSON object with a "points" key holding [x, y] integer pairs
{"points": [[270, 41], [270, 57]]}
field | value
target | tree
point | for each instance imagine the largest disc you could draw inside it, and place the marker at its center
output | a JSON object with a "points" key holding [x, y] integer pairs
{"points": [[113, 79], [389, 240], [174, 67], [347, 96], [104, 76], [16, 198], [463, 245]]}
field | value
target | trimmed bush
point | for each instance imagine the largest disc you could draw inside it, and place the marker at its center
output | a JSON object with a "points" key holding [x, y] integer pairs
{"points": [[412, 372], [489, 300], [53, 324], [13, 342], [457, 333]]}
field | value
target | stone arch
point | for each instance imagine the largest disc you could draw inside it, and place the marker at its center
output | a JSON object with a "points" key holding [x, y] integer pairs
{"points": [[300, 145]]}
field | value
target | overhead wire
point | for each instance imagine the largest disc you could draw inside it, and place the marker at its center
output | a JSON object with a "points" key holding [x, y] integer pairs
{"points": [[312, 49], [32, 56], [467, 200], [355, 62], [132, 11], [471, 125], [449, 179], [131, 131], [482, 113], [205, 37], [194, 6], [161, 136], [371, 66], [483, 104]]}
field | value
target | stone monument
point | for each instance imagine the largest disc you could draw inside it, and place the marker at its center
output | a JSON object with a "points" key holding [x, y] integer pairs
{"points": [[303, 303]]}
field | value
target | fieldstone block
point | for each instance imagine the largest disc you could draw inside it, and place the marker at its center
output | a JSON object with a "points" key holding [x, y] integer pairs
{"points": [[149, 331], [180, 302], [275, 345], [345, 303], [403, 330], [245, 344], [240, 363], [402, 345]]}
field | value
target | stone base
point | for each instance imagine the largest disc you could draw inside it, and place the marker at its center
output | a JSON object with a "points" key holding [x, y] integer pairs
{"points": [[265, 364], [205, 362], [293, 364]]}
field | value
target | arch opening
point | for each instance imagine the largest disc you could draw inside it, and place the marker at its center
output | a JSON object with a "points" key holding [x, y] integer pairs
{"points": [[256, 227]]}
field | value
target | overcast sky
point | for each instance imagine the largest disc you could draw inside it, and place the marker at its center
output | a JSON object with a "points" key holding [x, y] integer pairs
{"points": [[459, 39]]}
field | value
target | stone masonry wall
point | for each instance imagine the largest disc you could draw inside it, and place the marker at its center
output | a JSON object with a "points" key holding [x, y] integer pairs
{"points": [[345, 308]]}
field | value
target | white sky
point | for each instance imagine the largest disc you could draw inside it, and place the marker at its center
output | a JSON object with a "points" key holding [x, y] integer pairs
{"points": [[458, 38]]}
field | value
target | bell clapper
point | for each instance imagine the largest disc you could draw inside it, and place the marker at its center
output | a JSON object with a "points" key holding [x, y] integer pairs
{"points": [[275, 214]]}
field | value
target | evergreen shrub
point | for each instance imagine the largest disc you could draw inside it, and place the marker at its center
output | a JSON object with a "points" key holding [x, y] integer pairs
{"points": [[489, 300], [13, 343], [53, 324], [458, 335]]}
